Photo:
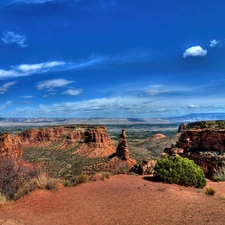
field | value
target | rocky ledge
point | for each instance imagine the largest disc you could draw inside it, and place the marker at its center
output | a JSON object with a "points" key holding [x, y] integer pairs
{"points": [[203, 142]]}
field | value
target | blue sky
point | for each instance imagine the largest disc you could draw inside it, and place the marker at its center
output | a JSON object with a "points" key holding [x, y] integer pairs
{"points": [[111, 58]]}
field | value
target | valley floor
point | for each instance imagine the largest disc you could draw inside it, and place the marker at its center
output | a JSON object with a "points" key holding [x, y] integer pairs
{"points": [[120, 200]]}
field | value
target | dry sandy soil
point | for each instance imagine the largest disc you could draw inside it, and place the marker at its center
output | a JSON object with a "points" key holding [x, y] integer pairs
{"points": [[122, 200]]}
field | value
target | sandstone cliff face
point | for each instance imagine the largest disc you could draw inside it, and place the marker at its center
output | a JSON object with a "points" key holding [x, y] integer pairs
{"points": [[206, 146], [10, 146], [93, 141]]}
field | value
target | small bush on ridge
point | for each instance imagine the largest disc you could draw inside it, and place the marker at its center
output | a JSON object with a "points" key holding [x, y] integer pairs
{"points": [[82, 178], [178, 170]]}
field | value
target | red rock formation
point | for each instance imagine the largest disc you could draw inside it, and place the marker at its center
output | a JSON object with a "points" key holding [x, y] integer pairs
{"points": [[122, 149], [157, 136], [10, 146], [93, 141], [206, 146]]}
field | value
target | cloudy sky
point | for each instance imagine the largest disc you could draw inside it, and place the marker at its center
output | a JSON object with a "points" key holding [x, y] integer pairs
{"points": [[111, 58]]}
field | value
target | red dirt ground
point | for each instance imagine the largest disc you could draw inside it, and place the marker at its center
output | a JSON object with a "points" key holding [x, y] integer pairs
{"points": [[120, 200]]}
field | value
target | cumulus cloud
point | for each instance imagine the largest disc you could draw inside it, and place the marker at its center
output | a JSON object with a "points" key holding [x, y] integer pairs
{"points": [[10, 37], [73, 92], [54, 83], [214, 43], [5, 87], [194, 51]]}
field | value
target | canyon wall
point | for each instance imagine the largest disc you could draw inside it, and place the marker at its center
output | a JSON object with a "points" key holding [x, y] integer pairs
{"points": [[203, 142], [92, 141]]}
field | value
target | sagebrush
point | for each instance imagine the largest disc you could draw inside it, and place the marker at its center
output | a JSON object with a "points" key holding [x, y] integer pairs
{"points": [[178, 170]]}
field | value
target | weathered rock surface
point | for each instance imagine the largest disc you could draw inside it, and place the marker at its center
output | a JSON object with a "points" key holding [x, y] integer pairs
{"points": [[10, 146], [122, 149], [206, 146], [157, 136], [92, 141]]}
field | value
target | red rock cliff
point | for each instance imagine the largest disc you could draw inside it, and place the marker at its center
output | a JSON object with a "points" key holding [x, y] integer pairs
{"points": [[206, 146], [93, 141], [10, 146]]}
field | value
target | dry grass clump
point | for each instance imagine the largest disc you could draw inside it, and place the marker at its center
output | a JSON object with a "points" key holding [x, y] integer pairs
{"points": [[219, 174], [13, 175], [82, 178], [3, 199], [18, 179], [209, 191], [100, 176], [43, 181]]}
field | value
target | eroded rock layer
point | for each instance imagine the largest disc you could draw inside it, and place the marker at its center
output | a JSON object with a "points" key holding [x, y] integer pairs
{"points": [[92, 141], [10, 146], [204, 142]]}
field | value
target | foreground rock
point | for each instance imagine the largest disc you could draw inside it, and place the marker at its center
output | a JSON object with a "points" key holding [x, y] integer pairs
{"points": [[203, 142]]}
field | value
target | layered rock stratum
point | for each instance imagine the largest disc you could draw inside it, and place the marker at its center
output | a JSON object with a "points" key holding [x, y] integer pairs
{"points": [[10, 146], [203, 142], [92, 141]]}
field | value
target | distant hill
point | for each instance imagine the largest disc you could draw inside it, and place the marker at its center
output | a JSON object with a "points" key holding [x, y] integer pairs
{"points": [[4, 121], [196, 117]]}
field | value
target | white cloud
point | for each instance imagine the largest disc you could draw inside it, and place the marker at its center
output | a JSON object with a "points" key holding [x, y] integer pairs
{"points": [[4, 88], [54, 83], [214, 43], [195, 51], [28, 96], [10, 37], [156, 92], [31, 1], [30, 69], [6, 105], [156, 89], [73, 92], [49, 95]]}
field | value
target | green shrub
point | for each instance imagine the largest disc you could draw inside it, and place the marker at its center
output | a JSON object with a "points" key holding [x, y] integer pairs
{"points": [[209, 191], [219, 174], [180, 171]]}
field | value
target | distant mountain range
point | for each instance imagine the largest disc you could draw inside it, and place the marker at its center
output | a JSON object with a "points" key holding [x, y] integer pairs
{"points": [[55, 121]]}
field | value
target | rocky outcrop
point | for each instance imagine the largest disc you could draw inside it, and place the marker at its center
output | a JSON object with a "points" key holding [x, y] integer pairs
{"points": [[10, 146], [203, 142], [122, 149], [92, 141], [157, 136]]}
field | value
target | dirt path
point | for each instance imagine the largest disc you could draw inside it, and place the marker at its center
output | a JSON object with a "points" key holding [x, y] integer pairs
{"points": [[120, 200]]}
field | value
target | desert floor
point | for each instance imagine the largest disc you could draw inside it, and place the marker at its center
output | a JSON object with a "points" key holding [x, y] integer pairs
{"points": [[122, 200]]}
